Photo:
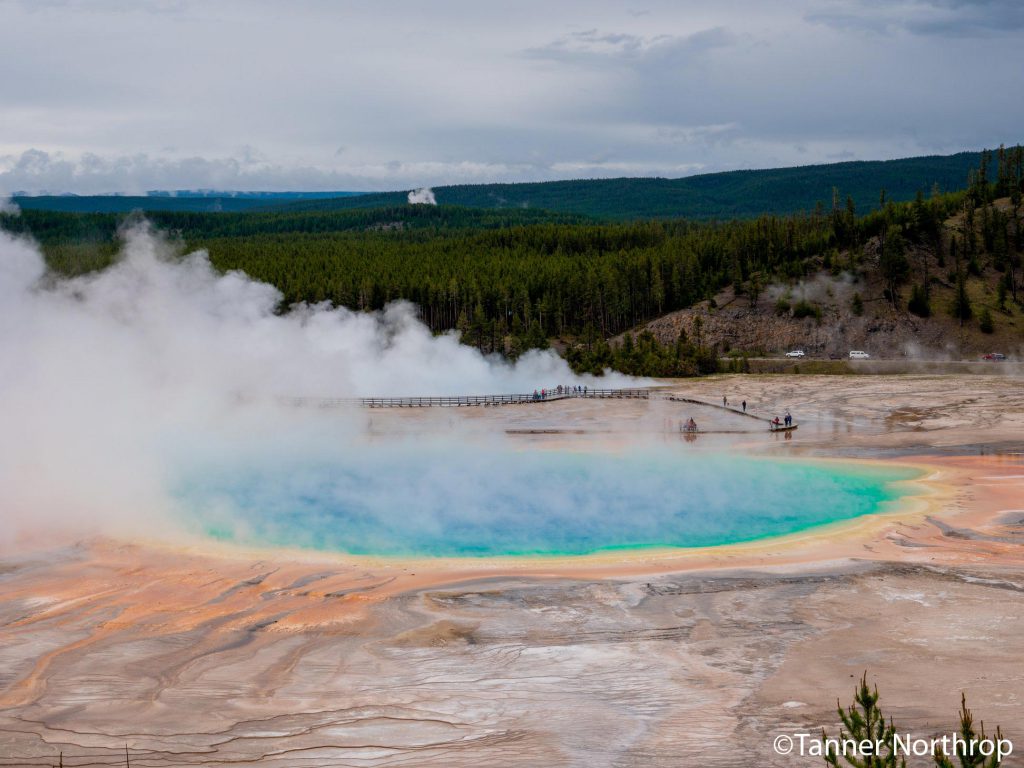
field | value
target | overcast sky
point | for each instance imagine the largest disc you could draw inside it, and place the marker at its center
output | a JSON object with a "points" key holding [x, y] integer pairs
{"points": [[107, 96]]}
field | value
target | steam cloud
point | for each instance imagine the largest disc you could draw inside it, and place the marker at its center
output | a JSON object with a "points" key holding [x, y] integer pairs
{"points": [[105, 378], [7, 205], [423, 196]]}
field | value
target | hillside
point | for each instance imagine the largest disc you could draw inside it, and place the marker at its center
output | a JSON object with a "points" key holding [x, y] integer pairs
{"points": [[831, 311], [728, 195], [210, 202], [721, 196]]}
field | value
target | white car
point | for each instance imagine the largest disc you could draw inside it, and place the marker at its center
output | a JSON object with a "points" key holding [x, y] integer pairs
{"points": [[856, 354], [795, 353]]}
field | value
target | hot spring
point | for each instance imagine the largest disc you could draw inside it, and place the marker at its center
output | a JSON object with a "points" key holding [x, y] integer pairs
{"points": [[456, 500]]}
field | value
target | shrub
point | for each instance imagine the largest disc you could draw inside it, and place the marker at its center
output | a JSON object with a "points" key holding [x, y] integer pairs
{"points": [[805, 309], [920, 303], [985, 321]]}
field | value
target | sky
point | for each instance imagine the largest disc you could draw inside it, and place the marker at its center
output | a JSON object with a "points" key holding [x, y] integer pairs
{"points": [[122, 97]]}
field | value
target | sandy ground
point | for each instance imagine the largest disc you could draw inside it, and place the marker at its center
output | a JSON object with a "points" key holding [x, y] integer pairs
{"points": [[191, 656]]}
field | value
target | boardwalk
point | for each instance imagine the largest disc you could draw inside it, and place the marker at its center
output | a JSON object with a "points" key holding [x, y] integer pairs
{"points": [[732, 409], [459, 401], [550, 395], [729, 408]]}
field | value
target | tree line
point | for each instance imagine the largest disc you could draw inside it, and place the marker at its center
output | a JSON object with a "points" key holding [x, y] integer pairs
{"points": [[510, 280]]}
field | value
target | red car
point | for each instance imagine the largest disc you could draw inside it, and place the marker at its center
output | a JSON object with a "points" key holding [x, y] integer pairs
{"points": [[994, 356]]}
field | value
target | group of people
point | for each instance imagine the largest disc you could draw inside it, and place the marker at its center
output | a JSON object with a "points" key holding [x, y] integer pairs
{"points": [[543, 394], [690, 426], [787, 421]]}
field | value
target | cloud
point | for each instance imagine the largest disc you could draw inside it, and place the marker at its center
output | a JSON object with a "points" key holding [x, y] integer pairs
{"points": [[939, 18], [38, 172], [595, 47], [688, 134], [265, 99]]}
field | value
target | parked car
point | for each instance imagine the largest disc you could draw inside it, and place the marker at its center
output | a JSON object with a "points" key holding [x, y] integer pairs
{"points": [[994, 356], [795, 353], [856, 354]]}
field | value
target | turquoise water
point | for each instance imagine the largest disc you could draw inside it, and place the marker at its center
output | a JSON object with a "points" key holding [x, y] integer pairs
{"points": [[436, 500]]}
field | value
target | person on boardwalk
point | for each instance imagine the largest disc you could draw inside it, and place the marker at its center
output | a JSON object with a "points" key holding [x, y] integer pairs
{"points": [[744, 404]]}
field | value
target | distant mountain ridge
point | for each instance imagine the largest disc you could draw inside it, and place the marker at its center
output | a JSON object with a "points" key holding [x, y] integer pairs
{"points": [[724, 195], [194, 201]]}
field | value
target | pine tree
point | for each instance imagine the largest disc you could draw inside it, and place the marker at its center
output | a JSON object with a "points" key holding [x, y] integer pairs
{"points": [[857, 305], [961, 302], [966, 756], [864, 721], [894, 265]]}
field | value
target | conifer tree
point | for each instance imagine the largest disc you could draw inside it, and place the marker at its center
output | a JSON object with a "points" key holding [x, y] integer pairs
{"points": [[864, 721], [966, 756]]}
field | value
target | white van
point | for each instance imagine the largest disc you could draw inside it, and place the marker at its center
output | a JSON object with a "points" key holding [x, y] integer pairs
{"points": [[856, 354]]}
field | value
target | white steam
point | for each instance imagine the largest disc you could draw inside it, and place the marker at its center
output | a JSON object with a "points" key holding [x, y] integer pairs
{"points": [[103, 376], [422, 196], [7, 205]]}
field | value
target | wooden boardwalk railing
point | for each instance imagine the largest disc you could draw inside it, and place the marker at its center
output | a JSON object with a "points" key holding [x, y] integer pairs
{"points": [[458, 401], [732, 409], [729, 408]]}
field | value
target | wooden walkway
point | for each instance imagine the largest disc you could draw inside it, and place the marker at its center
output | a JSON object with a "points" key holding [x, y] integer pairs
{"points": [[730, 409], [460, 401], [463, 401]]}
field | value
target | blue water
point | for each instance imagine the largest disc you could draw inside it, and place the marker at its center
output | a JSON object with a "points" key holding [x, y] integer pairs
{"points": [[436, 500]]}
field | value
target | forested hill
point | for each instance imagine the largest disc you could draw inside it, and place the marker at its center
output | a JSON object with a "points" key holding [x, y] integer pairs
{"points": [[729, 195], [721, 196], [183, 201]]}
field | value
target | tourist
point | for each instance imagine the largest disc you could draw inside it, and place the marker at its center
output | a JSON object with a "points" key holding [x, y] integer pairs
{"points": [[725, 401], [744, 404]]}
